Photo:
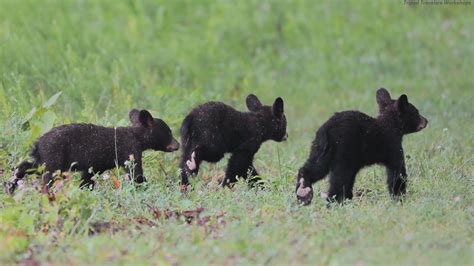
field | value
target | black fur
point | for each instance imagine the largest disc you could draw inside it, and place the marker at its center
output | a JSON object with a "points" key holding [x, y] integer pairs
{"points": [[214, 128], [351, 140], [80, 147]]}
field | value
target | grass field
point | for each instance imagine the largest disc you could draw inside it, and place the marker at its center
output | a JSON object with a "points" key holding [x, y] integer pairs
{"points": [[107, 57]]}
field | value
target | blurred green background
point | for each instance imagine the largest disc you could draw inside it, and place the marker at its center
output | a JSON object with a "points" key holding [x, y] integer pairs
{"points": [[319, 56]]}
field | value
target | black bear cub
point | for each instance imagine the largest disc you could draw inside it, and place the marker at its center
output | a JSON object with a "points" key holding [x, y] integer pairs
{"points": [[351, 140], [214, 128], [81, 147]]}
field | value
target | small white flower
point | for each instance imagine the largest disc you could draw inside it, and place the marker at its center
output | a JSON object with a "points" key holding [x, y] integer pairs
{"points": [[105, 176], [131, 157]]}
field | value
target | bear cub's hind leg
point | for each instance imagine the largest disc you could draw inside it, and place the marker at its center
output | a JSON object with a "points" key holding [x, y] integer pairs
{"points": [[341, 183]]}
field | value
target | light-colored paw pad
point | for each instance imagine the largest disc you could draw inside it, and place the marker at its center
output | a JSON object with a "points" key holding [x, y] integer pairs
{"points": [[191, 163], [302, 191]]}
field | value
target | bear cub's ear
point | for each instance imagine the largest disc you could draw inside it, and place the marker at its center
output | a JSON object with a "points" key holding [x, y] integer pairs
{"points": [[253, 103], [383, 98], [134, 117], [277, 107], [146, 120], [140, 118], [402, 103]]}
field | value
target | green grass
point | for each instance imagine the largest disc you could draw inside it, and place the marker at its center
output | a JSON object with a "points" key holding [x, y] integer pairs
{"points": [[168, 56]]}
